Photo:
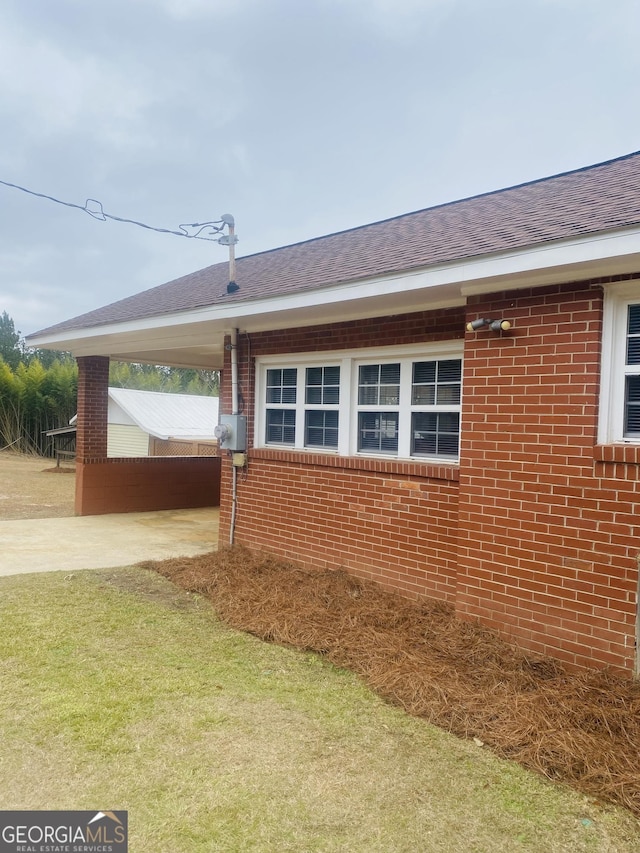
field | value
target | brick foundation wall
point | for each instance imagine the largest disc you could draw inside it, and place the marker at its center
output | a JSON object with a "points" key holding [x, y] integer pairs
{"points": [[395, 523], [146, 484]]}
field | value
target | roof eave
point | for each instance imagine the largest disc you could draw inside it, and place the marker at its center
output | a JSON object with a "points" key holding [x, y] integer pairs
{"points": [[196, 337]]}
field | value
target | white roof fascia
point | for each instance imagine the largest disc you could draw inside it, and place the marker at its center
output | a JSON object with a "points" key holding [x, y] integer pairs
{"points": [[481, 274], [607, 247]]}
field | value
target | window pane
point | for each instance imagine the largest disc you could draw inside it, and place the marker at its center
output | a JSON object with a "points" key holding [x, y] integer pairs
{"points": [[633, 350], [321, 429], [369, 374], [448, 421], [332, 376], [314, 376], [450, 370], [378, 431], [274, 386], [390, 374], [448, 395], [633, 335], [632, 406], [435, 434], [424, 371], [331, 390], [436, 382], [424, 444], [281, 426], [448, 444], [322, 386], [389, 395], [449, 381], [379, 385], [634, 319], [423, 395], [281, 385], [389, 432], [368, 396], [289, 380]]}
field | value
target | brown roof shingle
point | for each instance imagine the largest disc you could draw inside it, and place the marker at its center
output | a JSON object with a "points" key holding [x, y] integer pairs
{"points": [[586, 201]]}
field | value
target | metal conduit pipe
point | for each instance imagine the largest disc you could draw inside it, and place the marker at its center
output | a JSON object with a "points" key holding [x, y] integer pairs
{"points": [[235, 405]]}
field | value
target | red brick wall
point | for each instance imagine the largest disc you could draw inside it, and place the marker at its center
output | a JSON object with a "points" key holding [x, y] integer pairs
{"points": [[537, 539], [391, 521], [146, 484], [547, 540]]}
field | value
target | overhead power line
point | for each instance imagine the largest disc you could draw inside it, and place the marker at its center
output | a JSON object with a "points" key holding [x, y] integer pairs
{"points": [[203, 230]]}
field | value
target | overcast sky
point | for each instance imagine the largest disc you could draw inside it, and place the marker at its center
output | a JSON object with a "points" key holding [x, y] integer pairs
{"points": [[299, 117]]}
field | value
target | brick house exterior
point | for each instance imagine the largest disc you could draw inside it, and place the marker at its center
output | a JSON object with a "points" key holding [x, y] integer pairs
{"points": [[508, 489], [534, 532]]}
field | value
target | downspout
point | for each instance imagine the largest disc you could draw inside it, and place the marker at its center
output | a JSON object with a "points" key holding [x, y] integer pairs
{"points": [[235, 406]]}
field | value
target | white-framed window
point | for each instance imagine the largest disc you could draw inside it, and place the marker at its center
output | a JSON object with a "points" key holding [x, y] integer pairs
{"points": [[302, 399], [620, 376], [401, 402]]}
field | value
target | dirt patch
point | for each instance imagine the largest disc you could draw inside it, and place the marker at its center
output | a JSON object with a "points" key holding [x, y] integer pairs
{"points": [[32, 487], [133, 581], [582, 728]]}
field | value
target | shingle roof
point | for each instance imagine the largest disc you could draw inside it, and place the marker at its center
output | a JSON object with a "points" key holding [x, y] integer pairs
{"points": [[596, 198]]}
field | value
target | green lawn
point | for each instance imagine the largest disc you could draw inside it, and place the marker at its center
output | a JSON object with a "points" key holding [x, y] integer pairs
{"points": [[120, 691]]}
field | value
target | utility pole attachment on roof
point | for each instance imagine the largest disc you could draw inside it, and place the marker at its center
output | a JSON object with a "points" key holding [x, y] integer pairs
{"points": [[230, 240]]}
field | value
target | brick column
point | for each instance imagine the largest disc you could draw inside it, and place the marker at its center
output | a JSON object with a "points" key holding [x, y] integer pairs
{"points": [[93, 402]]}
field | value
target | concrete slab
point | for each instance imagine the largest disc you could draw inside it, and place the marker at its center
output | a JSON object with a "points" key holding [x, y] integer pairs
{"points": [[105, 541]]}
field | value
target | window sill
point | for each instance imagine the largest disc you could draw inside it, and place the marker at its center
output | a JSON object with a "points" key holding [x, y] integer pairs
{"points": [[626, 453], [406, 468]]}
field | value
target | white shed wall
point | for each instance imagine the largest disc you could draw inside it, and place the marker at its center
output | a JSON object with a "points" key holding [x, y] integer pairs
{"points": [[126, 440]]}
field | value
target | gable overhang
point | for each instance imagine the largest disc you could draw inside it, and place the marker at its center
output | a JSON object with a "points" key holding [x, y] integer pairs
{"points": [[195, 338]]}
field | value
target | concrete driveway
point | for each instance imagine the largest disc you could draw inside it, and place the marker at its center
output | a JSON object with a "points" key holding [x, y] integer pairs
{"points": [[105, 541]]}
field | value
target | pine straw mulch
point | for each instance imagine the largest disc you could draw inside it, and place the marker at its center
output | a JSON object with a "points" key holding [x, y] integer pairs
{"points": [[582, 728]]}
